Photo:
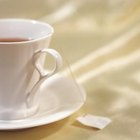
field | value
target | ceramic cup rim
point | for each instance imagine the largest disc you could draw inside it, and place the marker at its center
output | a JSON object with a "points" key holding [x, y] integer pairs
{"points": [[31, 21]]}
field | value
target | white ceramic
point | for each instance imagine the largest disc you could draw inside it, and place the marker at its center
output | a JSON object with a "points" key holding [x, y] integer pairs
{"points": [[59, 98], [21, 70]]}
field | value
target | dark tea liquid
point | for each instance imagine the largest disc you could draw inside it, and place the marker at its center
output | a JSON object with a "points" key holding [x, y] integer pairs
{"points": [[13, 39]]}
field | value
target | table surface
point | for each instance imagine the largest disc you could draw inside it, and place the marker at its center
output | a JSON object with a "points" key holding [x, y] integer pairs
{"points": [[103, 53]]}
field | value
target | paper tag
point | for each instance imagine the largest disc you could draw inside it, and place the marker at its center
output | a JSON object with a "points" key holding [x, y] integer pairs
{"points": [[94, 121]]}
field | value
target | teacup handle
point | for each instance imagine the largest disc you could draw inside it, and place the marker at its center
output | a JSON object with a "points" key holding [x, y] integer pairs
{"points": [[43, 73]]}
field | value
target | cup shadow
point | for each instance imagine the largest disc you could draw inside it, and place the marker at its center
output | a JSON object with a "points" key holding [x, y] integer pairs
{"points": [[36, 133]]}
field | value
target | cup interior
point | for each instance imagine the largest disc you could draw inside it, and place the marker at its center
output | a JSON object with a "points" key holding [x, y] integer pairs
{"points": [[24, 28]]}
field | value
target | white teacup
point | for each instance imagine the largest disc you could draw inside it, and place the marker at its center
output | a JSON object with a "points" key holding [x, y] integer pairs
{"points": [[22, 43]]}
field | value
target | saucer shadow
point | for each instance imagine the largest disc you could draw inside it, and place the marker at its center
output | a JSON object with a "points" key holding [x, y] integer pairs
{"points": [[36, 133]]}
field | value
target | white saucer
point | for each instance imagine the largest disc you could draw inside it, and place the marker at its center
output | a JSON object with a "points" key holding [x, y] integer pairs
{"points": [[59, 98]]}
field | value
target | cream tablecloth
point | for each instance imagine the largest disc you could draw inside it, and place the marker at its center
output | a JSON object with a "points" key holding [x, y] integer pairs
{"points": [[103, 52]]}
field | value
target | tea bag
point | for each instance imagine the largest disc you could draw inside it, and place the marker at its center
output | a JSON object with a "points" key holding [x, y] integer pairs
{"points": [[94, 121]]}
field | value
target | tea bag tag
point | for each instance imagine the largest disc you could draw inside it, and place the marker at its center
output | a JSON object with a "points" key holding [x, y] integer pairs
{"points": [[94, 121]]}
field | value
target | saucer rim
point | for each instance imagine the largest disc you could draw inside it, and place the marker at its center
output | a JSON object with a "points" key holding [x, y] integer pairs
{"points": [[34, 122]]}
